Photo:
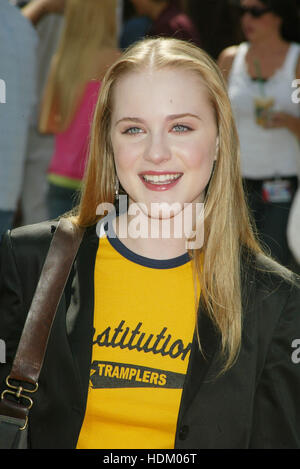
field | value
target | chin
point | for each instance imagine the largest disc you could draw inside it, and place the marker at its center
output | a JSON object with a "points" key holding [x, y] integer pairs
{"points": [[249, 34], [164, 210]]}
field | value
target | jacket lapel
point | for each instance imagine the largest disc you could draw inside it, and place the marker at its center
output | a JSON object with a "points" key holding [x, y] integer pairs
{"points": [[200, 361], [204, 366]]}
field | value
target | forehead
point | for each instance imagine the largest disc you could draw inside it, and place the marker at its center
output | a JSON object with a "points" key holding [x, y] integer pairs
{"points": [[170, 89], [253, 3]]}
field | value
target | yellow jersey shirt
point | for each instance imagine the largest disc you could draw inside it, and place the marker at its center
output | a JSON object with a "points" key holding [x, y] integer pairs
{"points": [[144, 321]]}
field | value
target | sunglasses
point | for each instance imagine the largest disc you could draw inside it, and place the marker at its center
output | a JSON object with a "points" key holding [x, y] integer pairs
{"points": [[255, 12]]}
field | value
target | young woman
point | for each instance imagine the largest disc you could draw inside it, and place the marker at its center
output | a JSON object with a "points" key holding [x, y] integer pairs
{"points": [[163, 338], [88, 46], [261, 73]]}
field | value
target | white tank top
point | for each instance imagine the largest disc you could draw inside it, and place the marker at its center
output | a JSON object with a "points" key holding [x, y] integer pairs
{"points": [[265, 152]]}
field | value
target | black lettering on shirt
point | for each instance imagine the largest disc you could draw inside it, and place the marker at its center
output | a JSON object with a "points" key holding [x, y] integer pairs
{"points": [[135, 339]]}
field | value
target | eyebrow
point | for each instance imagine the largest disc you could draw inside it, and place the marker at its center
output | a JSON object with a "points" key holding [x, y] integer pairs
{"points": [[171, 117]]}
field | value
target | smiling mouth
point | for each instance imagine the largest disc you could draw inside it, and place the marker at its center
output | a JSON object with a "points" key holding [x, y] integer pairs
{"points": [[159, 179]]}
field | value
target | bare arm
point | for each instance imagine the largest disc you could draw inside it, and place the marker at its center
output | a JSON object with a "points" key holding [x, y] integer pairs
{"points": [[225, 60], [36, 9]]}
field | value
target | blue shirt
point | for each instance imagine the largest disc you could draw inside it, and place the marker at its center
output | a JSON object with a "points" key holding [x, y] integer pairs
{"points": [[18, 42]]}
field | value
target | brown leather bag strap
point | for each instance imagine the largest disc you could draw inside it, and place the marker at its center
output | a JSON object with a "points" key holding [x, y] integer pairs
{"points": [[32, 347]]}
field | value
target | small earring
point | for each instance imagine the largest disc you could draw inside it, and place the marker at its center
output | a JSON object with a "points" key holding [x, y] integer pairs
{"points": [[117, 189]]}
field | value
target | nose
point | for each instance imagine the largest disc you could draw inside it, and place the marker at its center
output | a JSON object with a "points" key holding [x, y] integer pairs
{"points": [[158, 149], [247, 18]]}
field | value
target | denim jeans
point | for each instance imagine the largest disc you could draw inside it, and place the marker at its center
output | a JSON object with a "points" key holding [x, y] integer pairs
{"points": [[60, 200], [6, 220], [271, 219]]}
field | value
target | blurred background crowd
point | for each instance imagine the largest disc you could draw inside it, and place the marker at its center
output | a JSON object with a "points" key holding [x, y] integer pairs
{"points": [[53, 56]]}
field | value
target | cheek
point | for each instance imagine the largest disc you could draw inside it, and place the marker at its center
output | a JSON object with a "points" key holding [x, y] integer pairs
{"points": [[246, 20], [270, 23], [197, 156], [124, 155]]}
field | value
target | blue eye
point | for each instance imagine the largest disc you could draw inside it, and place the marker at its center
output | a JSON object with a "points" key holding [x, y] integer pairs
{"points": [[133, 131], [181, 128]]}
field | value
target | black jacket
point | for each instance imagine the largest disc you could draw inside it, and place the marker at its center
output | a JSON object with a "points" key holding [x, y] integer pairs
{"points": [[255, 404]]}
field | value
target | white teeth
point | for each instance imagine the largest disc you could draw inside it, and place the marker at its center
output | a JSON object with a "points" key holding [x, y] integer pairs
{"points": [[158, 179]]}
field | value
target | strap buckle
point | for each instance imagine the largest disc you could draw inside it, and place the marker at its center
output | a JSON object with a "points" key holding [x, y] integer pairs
{"points": [[20, 389], [18, 393]]}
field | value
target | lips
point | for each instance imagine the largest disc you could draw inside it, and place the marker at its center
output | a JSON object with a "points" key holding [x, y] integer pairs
{"points": [[160, 181], [248, 30]]}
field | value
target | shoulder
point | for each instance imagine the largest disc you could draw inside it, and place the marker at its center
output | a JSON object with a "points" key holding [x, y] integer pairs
{"points": [[22, 255], [270, 290], [226, 58], [31, 236], [21, 31], [271, 309], [266, 273], [23, 251], [14, 17], [292, 57], [27, 248], [29, 244], [33, 241]]}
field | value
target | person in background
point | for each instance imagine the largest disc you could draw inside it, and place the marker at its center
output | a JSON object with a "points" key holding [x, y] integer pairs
{"points": [[19, 3], [260, 73], [218, 22], [168, 20], [46, 16], [18, 42], [88, 45], [134, 27]]}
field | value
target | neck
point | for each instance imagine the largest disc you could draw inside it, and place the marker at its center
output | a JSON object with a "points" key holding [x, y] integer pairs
{"points": [[160, 238], [270, 43], [156, 9]]}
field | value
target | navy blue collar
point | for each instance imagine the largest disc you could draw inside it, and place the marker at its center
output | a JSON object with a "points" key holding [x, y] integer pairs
{"points": [[141, 260]]}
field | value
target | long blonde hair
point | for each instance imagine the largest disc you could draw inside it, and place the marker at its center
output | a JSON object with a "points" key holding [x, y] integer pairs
{"points": [[227, 224], [89, 27]]}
